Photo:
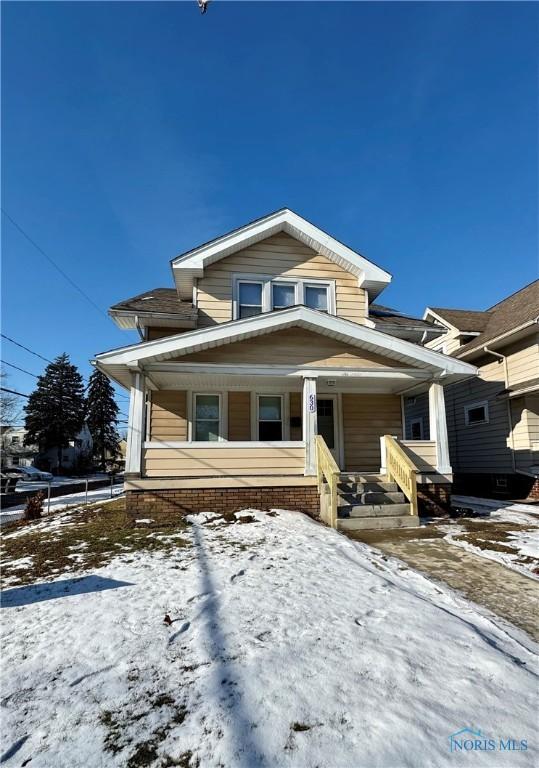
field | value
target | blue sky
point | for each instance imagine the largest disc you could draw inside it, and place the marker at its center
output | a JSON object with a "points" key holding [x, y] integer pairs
{"points": [[134, 131]]}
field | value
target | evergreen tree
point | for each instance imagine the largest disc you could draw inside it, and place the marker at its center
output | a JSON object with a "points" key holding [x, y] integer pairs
{"points": [[56, 409], [102, 417]]}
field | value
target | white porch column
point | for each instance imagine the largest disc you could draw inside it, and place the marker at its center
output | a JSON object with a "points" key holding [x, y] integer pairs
{"points": [[135, 426], [309, 424], [438, 427]]}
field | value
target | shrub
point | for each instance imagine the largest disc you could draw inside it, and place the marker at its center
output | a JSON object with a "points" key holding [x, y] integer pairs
{"points": [[34, 506]]}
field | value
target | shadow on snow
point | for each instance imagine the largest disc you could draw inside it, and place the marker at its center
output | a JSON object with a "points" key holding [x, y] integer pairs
{"points": [[37, 593]]}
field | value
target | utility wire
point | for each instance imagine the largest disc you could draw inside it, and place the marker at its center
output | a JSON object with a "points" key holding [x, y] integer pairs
{"points": [[46, 359], [4, 362], [13, 392], [54, 264]]}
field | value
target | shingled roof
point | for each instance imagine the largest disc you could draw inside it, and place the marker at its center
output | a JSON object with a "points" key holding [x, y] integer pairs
{"points": [[516, 310], [463, 319], [159, 300], [388, 316]]}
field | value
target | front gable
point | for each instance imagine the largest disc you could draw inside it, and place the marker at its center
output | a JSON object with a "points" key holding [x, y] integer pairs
{"points": [[291, 347], [277, 256]]}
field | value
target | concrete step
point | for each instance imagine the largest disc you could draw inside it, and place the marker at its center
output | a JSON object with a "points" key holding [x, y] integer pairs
{"points": [[373, 510], [370, 498], [376, 523], [379, 487]]}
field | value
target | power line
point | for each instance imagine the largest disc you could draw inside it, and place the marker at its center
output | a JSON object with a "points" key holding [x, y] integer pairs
{"points": [[46, 359], [54, 264], [4, 362], [13, 392]]}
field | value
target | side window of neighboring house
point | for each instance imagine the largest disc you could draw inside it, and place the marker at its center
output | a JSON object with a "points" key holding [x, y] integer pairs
{"points": [[270, 417], [207, 418], [416, 429], [476, 413], [15, 461], [15, 440]]}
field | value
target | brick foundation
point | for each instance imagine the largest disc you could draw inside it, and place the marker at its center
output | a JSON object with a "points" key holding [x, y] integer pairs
{"points": [[434, 498], [185, 501], [534, 491]]}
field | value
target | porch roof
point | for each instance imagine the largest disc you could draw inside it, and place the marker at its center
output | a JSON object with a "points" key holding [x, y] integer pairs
{"points": [[158, 353]]}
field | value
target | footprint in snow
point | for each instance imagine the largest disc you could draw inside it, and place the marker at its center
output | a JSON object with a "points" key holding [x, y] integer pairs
{"points": [[263, 635], [184, 627], [236, 575], [376, 614], [198, 597]]}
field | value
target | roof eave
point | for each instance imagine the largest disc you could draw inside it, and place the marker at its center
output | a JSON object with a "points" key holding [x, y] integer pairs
{"points": [[189, 266]]}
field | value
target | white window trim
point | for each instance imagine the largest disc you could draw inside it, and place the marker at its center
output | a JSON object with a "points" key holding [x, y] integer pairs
{"points": [[471, 406], [417, 420], [223, 421], [285, 414], [300, 284], [263, 298]]}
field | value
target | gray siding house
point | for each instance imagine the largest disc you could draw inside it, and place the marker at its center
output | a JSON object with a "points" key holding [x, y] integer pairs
{"points": [[492, 420]]}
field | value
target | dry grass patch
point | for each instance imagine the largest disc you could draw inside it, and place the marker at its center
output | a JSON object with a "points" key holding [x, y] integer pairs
{"points": [[81, 539]]}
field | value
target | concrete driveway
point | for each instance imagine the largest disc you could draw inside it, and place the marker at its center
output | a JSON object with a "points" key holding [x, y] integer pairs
{"points": [[501, 590]]}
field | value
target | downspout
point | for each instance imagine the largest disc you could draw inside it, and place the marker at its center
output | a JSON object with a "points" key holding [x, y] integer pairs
{"points": [[141, 334], [509, 414]]}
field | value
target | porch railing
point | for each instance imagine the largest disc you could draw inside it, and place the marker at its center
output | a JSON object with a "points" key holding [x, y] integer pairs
{"points": [[402, 470], [327, 470]]}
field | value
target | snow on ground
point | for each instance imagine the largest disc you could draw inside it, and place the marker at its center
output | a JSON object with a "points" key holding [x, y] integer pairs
{"points": [[60, 502], [290, 645], [500, 510], [524, 540]]}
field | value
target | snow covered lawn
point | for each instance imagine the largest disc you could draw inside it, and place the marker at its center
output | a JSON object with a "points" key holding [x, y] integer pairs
{"points": [[290, 645]]}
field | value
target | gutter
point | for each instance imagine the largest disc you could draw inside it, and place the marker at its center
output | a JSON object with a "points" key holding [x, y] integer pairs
{"points": [[509, 414], [499, 338]]}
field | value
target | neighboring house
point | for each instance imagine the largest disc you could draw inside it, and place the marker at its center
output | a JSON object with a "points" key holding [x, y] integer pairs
{"points": [[14, 452], [493, 420], [77, 451], [268, 363]]}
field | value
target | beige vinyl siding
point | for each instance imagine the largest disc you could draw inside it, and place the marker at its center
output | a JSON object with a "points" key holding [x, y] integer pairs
{"points": [[168, 415], [219, 462], [295, 412], [292, 346], [525, 419], [280, 255], [522, 360], [239, 415], [422, 453], [365, 419]]}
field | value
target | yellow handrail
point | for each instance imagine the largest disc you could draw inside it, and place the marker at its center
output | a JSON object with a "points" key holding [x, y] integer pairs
{"points": [[327, 469], [402, 470]]}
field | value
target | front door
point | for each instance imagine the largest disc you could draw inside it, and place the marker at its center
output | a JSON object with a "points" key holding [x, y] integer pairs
{"points": [[326, 415]]}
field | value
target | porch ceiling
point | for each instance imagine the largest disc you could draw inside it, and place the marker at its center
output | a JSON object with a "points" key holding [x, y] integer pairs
{"points": [[182, 376]]}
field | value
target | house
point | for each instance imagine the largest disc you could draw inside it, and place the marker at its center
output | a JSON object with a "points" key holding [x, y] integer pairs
{"points": [[268, 376], [14, 452], [492, 420], [76, 454]]}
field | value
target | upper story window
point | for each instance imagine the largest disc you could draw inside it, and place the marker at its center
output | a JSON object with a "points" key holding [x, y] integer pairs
{"points": [[254, 294], [476, 413], [249, 298], [15, 440]]}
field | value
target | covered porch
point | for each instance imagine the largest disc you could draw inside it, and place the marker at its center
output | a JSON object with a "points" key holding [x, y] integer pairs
{"points": [[260, 428]]}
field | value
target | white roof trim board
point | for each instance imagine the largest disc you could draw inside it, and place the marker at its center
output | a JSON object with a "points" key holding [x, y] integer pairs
{"points": [[303, 317], [189, 266]]}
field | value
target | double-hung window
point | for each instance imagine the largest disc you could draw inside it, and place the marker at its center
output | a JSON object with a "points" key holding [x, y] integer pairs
{"points": [[254, 294], [283, 295], [207, 417], [270, 417], [316, 297], [249, 298]]}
